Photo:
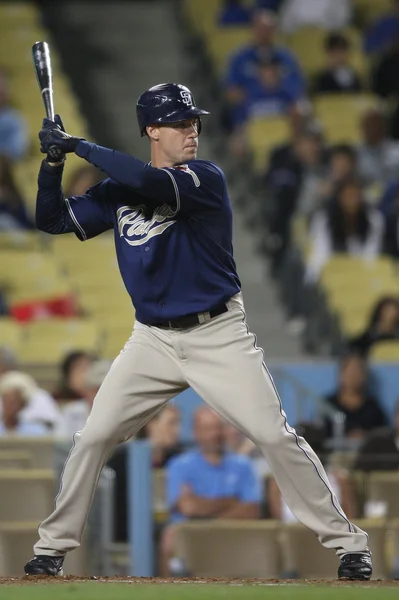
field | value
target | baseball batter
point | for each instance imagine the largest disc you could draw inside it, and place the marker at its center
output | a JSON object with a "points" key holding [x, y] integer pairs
{"points": [[172, 221]]}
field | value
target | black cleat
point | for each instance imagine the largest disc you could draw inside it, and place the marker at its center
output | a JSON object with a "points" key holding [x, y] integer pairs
{"points": [[356, 566], [45, 565]]}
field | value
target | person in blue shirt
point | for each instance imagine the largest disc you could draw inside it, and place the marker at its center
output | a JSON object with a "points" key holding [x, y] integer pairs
{"points": [[382, 33], [172, 222], [208, 483], [13, 132], [270, 96], [243, 69]]}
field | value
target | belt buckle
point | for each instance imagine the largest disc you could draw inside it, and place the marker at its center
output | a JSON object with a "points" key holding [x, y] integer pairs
{"points": [[204, 317]]}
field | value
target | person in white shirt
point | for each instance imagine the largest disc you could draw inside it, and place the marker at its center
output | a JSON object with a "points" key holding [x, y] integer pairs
{"points": [[17, 390], [328, 14], [346, 225], [42, 407], [76, 412]]}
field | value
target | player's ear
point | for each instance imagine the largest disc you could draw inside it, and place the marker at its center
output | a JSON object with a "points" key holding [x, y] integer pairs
{"points": [[153, 133]]}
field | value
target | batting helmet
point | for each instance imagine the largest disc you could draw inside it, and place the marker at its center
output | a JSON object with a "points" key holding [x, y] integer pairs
{"points": [[167, 103]]}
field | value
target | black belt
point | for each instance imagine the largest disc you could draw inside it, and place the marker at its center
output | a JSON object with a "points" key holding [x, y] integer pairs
{"points": [[192, 320]]}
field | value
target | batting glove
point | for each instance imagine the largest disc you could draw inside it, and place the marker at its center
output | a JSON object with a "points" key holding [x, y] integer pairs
{"points": [[55, 141]]}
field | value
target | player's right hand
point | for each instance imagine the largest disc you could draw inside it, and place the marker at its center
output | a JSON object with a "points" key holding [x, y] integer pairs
{"points": [[54, 154]]}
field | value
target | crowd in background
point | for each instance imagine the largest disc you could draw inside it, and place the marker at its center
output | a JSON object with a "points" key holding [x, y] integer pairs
{"points": [[349, 196]]}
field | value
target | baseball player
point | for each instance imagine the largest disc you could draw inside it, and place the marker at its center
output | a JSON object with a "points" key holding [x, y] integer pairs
{"points": [[172, 221]]}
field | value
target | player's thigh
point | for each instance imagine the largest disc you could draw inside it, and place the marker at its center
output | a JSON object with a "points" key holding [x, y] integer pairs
{"points": [[144, 376], [230, 374]]}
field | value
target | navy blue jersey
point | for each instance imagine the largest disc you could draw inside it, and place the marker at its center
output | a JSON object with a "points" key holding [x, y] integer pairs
{"points": [[172, 226]]}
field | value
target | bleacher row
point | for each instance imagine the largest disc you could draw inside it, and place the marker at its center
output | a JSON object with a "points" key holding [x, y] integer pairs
{"points": [[240, 549], [351, 287], [36, 268]]}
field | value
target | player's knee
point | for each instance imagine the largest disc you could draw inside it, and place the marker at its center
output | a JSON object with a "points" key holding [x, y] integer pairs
{"points": [[269, 436], [91, 437]]}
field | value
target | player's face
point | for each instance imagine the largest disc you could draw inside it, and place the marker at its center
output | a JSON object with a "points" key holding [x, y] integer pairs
{"points": [[178, 142]]}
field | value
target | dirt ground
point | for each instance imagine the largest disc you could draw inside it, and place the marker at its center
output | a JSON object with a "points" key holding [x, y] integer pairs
{"points": [[29, 580]]}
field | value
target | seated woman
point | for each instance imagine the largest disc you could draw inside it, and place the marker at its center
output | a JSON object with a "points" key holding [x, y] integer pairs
{"points": [[383, 325], [345, 225], [361, 409]]}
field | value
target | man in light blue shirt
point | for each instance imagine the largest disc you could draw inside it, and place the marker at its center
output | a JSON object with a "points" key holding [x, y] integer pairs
{"points": [[208, 483], [13, 134]]}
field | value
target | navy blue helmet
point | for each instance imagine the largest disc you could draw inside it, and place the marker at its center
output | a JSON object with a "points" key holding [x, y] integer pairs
{"points": [[167, 103]]}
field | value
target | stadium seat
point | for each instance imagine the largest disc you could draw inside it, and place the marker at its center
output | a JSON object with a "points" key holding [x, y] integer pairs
{"points": [[263, 136], [18, 485], [307, 43], [340, 115], [239, 548], [11, 334], [15, 459], [48, 341], [387, 351], [319, 562], [368, 10], [222, 43], [385, 486], [40, 449]]}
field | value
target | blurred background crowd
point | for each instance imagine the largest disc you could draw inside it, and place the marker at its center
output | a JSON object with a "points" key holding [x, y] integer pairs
{"points": [[304, 96]]}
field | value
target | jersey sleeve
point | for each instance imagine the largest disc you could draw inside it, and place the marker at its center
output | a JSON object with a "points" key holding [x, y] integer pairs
{"points": [[197, 186], [91, 213]]}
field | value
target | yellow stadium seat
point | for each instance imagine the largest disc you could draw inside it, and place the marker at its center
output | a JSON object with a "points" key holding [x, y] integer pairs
{"points": [[40, 449], [11, 334], [239, 548], [264, 135], [340, 115], [15, 459], [368, 10], [202, 18], [387, 351], [307, 44], [48, 341], [222, 43]]}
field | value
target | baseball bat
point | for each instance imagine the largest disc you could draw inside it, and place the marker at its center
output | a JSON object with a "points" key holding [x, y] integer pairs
{"points": [[44, 75]]}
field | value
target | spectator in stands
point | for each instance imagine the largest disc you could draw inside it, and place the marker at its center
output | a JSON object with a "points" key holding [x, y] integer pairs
{"points": [[270, 96], [74, 369], [328, 14], [338, 76], [380, 449], [385, 80], [391, 215], [345, 225], [42, 408], [389, 202], [378, 155], [13, 135], [17, 390], [361, 410], [383, 31], [342, 165], [82, 179], [13, 213], [208, 483], [234, 12], [243, 72], [383, 325], [338, 477], [293, 180], [75, 412], [163, 431]]}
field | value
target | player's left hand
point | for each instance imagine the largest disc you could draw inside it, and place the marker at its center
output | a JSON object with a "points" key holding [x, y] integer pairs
{"points": [[54, 134]]}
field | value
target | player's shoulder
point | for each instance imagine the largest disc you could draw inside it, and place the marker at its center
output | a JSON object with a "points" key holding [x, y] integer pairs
{"points": [[205, 166]]}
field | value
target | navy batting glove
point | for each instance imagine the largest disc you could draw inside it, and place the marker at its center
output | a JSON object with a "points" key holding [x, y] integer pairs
{"points": [[54, 153], [53, 135]]}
